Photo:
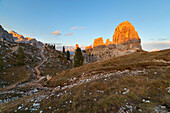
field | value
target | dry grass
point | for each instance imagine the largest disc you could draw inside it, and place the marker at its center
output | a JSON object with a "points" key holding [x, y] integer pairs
{"points": [[86, 98], [132, 62]]}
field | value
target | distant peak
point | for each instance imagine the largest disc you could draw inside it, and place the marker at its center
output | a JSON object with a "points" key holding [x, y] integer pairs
{"points": [[12, 31], [29, 38]]}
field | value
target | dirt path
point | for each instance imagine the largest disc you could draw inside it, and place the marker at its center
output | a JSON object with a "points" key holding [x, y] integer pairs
{"points": [[45, 59]]}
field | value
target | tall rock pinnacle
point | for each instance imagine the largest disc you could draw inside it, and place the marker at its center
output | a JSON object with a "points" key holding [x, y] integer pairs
{"points": [[125, 32]]}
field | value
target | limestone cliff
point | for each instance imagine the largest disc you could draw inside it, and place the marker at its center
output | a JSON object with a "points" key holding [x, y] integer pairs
{"points": [[88, 47], [125, 41], [98, 42], [124, 33], [108, 42]]}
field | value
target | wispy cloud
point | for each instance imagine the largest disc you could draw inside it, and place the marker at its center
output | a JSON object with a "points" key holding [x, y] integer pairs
{"points": [[77, 28], [163, 38], [160, 39], [81, 27], [157, 44], [57, 33], [73, 28], [69, 34]]}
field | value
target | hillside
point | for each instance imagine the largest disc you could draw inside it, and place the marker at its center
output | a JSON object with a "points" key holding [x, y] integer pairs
{"points": [[138, 82], [25, 72]]}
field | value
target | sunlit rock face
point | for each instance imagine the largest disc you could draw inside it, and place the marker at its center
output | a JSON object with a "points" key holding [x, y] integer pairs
{"points": [[98, 42], [125, 41], [108, 42], [17, 37], [29, 38], [5, 34], [125, 32], [21, 39], [77, 46], [88, 47]]}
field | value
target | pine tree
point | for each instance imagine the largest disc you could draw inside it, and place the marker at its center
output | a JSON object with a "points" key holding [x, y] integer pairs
{"points": [[20, 56], [63, 49], [78, 58], [68, 55], [54, 46], [1, 63]]}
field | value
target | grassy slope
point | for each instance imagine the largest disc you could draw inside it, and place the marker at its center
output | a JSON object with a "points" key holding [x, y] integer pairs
{"points": [[14, 73], [106, 95], [149, 86], [132, 62]]}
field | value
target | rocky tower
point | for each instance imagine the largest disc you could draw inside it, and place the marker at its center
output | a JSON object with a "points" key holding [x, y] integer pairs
{"points": [[98, 42], [124, 33]]}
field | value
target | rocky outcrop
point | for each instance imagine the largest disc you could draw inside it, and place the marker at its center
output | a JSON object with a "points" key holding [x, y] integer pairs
{"points": [[98, 42], [108, 42], [77, 46], [5, 34], [88, 47], [21, 39], [17, 37], [125, 41]]}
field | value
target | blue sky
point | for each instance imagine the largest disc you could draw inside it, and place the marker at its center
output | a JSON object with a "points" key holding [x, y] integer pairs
{"points": [[96, 18]]}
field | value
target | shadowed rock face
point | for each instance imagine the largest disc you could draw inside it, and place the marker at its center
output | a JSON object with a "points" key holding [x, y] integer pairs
{"points": [[98, 42], [4, 33], [124, 33]]}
